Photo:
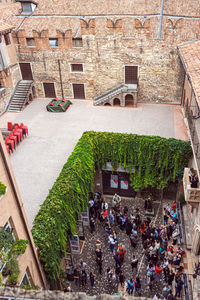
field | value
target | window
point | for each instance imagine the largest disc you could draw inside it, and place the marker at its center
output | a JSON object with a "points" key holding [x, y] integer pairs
{"points": [[30, 42], [7, 227], [77, 42], [53, 43], [77, 67], [7, 38], [27, 280], [26, 7]]}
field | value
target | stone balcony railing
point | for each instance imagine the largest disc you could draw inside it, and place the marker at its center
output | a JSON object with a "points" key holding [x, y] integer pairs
{"points": [[191, 194]]}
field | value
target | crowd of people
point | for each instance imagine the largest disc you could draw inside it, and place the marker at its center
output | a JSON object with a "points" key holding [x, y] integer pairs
{"points": [[160, 251]]}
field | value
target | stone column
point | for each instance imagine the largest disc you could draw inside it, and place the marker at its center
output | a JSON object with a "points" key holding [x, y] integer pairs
{"points": [[196, 240]]}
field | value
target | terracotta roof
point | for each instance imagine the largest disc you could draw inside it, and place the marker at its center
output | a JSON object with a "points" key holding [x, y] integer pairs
{"points": [[190, 54], [50, 23], [4, 27], [8, 12]]}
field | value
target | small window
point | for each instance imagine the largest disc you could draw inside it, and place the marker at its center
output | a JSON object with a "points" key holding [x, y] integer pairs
{"points": [[53, 43], [77, 67], [77, 42], [7, 38], [25, 280], [7, 227], [30, 42], [26, 7]]}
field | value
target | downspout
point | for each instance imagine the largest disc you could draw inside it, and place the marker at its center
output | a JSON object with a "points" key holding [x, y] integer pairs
{"points": [[161, 20]]}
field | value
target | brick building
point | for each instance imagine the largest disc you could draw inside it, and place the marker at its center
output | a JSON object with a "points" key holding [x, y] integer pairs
{"points": [[89, 49]]}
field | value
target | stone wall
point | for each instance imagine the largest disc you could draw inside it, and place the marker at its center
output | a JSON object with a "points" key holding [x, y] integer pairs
{"points": [[110, 43]]}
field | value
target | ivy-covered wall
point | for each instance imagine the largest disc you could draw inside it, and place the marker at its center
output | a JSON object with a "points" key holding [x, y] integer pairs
{"points": [[156, 161]]}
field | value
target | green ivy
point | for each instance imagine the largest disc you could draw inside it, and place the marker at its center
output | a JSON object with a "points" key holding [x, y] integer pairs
{"points": [[156, 161], [2, 188]]}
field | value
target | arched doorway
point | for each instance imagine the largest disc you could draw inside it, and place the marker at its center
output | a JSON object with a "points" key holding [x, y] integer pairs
{"points": [[33, 92], [129, 101], [116, 102], [107, 104]]}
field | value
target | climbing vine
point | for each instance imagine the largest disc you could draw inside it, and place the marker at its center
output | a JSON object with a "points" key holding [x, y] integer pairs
{"points": [[151, 160]]}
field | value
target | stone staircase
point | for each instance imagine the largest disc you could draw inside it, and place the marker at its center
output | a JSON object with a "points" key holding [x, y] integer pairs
{"points": [[20, 96], [115, 93]]}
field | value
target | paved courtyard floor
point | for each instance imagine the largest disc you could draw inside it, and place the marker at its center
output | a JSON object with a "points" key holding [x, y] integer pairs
{"points": [[38, 160]]}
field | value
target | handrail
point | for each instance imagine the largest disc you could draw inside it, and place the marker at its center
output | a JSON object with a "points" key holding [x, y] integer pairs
{"points": [[12, 96], [109, 91], [26, 94]]}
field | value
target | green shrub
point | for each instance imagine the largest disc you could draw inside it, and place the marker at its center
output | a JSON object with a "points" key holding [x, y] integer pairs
{"points": [[13, 266], [2, 188], [12, 279], [19, 247], [156, 161]]}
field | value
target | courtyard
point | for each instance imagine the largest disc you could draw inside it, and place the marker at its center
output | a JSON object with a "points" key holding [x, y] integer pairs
{"points": [[52, 136]]}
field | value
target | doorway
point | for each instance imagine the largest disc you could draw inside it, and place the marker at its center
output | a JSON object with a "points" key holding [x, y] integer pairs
{"points": [[131, 74], [26, 71], [117, 182], [79, 91], [49, 90], [116, 102]]}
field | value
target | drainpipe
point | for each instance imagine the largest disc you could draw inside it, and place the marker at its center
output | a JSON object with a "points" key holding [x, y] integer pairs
{"points": [[161, 20], [61, 84]]}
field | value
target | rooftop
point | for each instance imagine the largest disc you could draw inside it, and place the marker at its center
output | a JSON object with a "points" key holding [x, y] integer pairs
{"points": [[4, 27], [190, 54]]}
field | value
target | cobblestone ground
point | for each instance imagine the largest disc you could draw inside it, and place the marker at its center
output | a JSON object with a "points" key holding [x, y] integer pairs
{"points": [[88, 255]]}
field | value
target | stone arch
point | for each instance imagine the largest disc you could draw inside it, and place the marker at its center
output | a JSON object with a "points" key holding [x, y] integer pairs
{"points": [[107, 104], [116, 102], [33, 92], [129, 100]]}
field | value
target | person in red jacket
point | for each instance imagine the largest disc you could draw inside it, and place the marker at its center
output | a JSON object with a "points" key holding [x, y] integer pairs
{"points": [[174, 206], [122, 252], [158, 271]]}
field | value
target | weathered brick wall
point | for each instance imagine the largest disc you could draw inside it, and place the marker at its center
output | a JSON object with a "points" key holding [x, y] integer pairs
{"points": [[110, 43]]}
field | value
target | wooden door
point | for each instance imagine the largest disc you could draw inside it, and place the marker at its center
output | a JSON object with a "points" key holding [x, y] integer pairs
{"points": [[131, 74], [49, 90], [79, 92], [26, 71]]}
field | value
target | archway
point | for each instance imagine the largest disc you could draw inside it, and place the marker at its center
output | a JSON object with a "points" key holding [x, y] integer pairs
{"points": [[129, 101], [107, 104], [116, 102], [33, 92]]}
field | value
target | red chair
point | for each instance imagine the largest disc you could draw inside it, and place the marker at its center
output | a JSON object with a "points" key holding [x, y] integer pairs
{"points": [[24, 129], [10, 143], [55, 99], [13, 138], [19, 130], [10, 126], [17, 134], [63, 100]]}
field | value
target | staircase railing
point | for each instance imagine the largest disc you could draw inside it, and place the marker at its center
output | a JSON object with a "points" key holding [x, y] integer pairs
{"points": [[13, 92], [27, 92], [110, 94]]}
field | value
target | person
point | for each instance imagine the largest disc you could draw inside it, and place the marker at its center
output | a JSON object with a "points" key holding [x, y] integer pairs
{"points": [[194, 181], [99, 261], [122, 252], [83, 265], [112, 242], [130, 286], [179, 286], [121, 278], [104, 215], [134, 263], [116, 200], [170, 277], [67, 288], [111, 218], [175, 235], [98, 244], [166, 217], [83, 278], [117, 259], [104, 205], [134, 240], [92, 280], [158, 271], [109, 275], [138, 286], [92, 225], [77, 276], [166, 290]]}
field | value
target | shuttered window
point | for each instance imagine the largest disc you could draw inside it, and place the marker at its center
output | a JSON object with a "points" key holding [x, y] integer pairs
{"points": [[79, 92], [77, 42], [77, 67], [131, 74]]}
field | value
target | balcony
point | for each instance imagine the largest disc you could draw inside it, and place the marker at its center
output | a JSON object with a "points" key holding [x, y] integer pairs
{"points": [[192, 195]]}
